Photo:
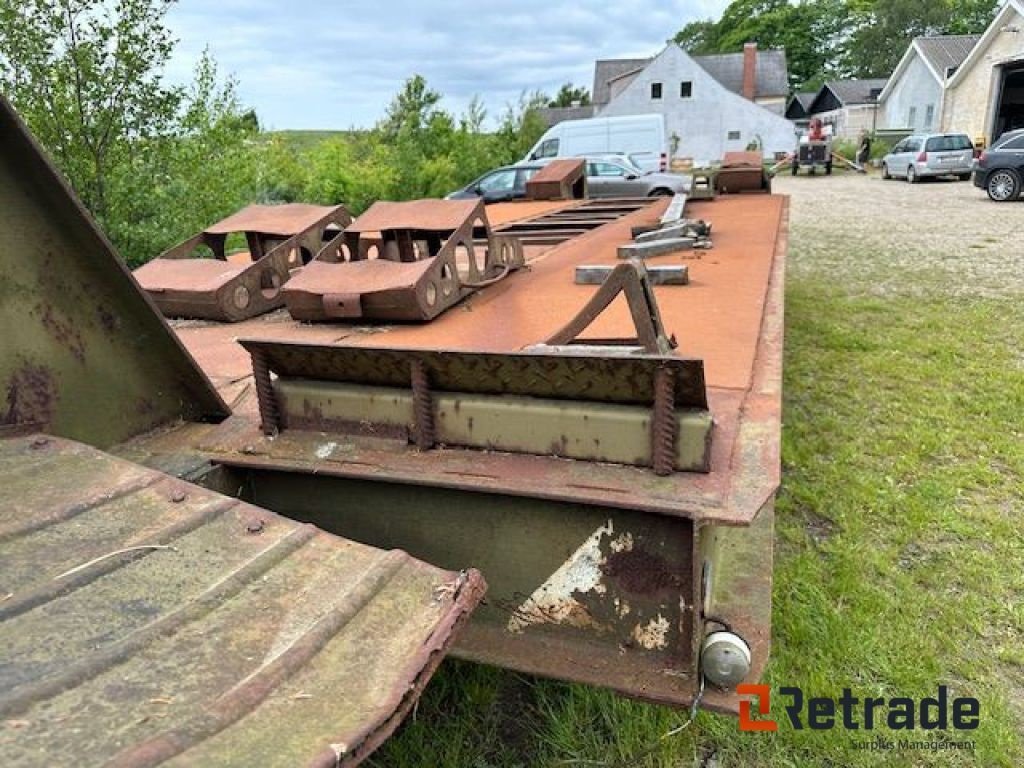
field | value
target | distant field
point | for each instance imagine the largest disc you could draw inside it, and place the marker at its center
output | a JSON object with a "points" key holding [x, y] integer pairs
{"points": [[300, 140]]}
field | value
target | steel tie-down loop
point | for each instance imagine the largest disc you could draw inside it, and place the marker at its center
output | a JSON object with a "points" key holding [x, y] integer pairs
{"points": [[422, 406], [663, 422], [270, 420]]}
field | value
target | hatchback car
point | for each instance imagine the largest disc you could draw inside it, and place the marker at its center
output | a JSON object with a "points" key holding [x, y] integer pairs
{"points": [[930, 155], [607, 176], [1000, 169]]}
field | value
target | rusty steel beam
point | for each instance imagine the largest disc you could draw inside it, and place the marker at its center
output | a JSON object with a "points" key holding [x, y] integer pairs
{"points": [[559, 180]]}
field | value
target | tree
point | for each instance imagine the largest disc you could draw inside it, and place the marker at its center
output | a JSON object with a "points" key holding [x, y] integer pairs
{"points": [[810, 31], [153, 163], [521, 126], [86, 77], [411, 110], [971, 17], [201, 167], [884, 28], [570, 95]]}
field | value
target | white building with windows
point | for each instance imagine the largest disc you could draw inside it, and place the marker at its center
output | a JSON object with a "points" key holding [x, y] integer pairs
{"points": [[711, 104], [913, 98]]}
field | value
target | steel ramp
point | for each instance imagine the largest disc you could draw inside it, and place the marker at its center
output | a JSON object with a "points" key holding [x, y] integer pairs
{"points": [[146, 620]]}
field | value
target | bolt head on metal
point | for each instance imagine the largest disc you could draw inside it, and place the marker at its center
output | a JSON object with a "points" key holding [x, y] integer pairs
{"points": [[725, 659]]}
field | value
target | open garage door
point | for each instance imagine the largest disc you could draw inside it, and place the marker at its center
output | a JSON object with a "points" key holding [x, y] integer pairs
{"points": [[1009, 111]]}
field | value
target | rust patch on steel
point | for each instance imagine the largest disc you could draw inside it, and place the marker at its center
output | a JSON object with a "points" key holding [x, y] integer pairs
{"points": [[642, 573], [62, 330], [31, 396]]}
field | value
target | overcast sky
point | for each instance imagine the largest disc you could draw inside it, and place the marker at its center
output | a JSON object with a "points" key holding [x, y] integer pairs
{"points": [[309, 64]]}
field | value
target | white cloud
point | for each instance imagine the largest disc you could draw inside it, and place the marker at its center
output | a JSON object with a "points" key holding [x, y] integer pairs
{"points": [[306, 64]]}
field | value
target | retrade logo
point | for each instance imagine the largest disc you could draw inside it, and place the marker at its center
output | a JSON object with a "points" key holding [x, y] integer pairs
{"points": [[764, 706], [851, 713]]}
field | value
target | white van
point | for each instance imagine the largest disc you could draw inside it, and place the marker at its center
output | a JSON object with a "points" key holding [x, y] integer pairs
{"points": [[642, 137]]}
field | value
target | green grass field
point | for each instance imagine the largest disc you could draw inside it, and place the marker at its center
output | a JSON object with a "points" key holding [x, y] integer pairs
{"points": [[899, 551]]}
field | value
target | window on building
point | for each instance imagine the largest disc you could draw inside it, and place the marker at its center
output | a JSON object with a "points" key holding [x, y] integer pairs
{"points": [[655, 90], [685, 89], [912, 120], [734, 135], [929, 114]]}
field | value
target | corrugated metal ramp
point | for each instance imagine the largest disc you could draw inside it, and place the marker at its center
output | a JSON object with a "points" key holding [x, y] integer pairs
{"points": [[144, 620]]}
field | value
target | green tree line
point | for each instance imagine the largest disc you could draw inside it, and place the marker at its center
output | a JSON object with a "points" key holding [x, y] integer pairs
{"points": [[155, 163], [835, 39]]}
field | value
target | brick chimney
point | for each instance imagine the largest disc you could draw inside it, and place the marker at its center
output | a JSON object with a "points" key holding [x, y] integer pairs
{"points": [[750, 71]]}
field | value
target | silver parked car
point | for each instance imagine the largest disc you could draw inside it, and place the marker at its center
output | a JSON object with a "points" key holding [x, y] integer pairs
{"points": [[930, 154], [617, 176], [607, 176]]}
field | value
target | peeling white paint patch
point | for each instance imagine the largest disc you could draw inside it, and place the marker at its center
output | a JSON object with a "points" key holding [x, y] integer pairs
{"points": [[552, 602], [654, 635], [325, 450], [623, 543], [621, 607]]}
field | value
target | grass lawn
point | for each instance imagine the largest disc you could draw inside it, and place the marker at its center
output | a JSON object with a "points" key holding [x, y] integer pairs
{"points": [[899, 549]]}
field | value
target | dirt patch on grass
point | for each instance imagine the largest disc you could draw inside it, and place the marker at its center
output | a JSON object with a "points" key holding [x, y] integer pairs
{"points": [[889, 237]]}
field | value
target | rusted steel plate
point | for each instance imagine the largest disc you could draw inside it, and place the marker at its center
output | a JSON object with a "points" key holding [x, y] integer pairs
{"points": [[624, 379], [196, 628], [566, 224], [239, 442], [84, 352], [559, 180], [578, 592], [282, 220], [429, 215]]}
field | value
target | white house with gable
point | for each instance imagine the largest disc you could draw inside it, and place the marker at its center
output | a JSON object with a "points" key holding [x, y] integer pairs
{"points": [[708, 118], [914, 95]]}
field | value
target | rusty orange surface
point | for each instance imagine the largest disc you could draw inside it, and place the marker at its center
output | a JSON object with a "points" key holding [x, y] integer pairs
{"points": [[285, 220], [505, 213], [717, 317], [414, 214]]}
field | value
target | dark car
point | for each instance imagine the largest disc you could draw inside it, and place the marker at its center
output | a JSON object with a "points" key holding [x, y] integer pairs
{"points": [[1000, 169], [507, 183]]}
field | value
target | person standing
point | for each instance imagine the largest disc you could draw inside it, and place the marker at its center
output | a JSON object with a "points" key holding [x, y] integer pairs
{"points": [[864, 149]]}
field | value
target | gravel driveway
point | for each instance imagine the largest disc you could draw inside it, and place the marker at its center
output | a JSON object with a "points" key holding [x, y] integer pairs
{"points": [[890, 237]]}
